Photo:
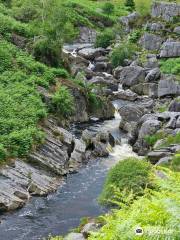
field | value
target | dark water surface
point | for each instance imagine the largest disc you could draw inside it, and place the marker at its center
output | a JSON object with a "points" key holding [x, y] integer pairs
{"points": [[77, 198]]}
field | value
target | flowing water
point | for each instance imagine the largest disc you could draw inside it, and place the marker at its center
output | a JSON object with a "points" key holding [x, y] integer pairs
{"points": [[60, 212]]}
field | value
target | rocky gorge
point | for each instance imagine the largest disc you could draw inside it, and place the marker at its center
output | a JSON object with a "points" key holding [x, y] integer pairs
{"points": [[134, 91]]}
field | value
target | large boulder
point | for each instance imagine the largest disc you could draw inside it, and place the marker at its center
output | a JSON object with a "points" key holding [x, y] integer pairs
{"points": [[168, 87], [151, 41], [127, 21], [155, 26], [153, 75], [86, 35], [166, 11], [125, 95], [148, 89], [170, 49], [91, 53], [175, 105], [132, 75]]}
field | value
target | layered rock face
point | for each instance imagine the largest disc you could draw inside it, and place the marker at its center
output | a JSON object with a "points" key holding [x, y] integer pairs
{"points": [[165, 10]]}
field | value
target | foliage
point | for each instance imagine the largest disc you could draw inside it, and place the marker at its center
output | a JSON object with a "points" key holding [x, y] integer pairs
{"points": [[170, 66], [63, 102], [105, 39], [108, 8], [135, 36], [122, 52], [157, 213], [130, 4], [131, 175], [152, 139]]}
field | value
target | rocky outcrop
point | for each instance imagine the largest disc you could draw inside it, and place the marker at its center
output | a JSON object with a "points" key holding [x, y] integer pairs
{"points": [[151, 41], [125, 95], [86, 35], [21, 180], [170, 49], [168, 87], [155, 26], [153, 75], [175, 105], [91, 53], [132, 75], [148, 89], [165, 10], [129, 20]]}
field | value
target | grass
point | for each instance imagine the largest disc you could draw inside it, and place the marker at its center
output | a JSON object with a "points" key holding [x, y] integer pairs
{"points": [[171, 66]]}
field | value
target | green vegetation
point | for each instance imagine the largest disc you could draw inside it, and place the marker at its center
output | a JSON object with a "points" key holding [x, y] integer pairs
{"points": [[157, 213], [130, 4], [131, 175], [171, 66], [108, 8], [105, 39], [63, 102], [152, 139], [122, 52]]}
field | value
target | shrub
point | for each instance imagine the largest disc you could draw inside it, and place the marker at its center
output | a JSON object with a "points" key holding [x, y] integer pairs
{"points": [[152, 139], [105, 39], [63, 102], [135, 36], [119, 54], [170, 66], [108, 8], [130, 174], [130, 4]]}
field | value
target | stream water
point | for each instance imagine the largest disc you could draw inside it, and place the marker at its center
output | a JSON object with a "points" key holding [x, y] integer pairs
{"points": [[60, 212]]}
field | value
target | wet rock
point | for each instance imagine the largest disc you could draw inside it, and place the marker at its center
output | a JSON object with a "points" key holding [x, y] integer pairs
{"points": [[151, 41], [125, 95], [74, 236], [170, 49], [168, 87], [153, 75], [172, 123], [132, 75], [100, 80], [88, 228], [91, 53], [165, 10]]}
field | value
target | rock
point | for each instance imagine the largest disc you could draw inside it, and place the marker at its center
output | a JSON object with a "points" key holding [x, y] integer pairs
{"points": [[125, 95], [86, 35], [166, 11], [155, 27], [127, 21], [88, 228], [168, 87], [151, 41], [117, 72], [153, 75], [178, 123], [74, 236], [177, 30], [130, 76], [100, 80], [91, 53], [18, 40], [172, 123], [148, 89], [170, 49], [156, 155], [175, 105], [152, 61], [148, 128], [21, 180], [164, 160]]}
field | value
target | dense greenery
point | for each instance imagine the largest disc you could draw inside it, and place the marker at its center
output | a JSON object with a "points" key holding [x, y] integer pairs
{"points": [[105, 39], [171, 66], [131, 175], [157, 213], [122, 52]]}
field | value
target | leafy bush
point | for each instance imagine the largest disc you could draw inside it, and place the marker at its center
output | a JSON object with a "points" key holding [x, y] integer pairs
{"points": [[157, 213], [108, 8], [130, 174], [105, 39], [63, 102], [135, 36], [130, 4], [170, 66], [119, 54], [152, 139]]}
